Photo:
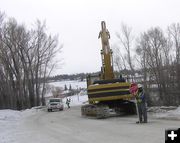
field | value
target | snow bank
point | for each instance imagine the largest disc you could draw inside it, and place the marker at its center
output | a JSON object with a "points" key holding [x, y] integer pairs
{"points": [[9, 115], [13, 115], [8, 125], [175, 112], [156, 110], [9, 122], [167, 113]]}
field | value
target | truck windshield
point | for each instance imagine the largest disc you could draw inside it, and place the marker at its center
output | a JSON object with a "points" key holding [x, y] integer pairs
{"points": [[55, 100]]}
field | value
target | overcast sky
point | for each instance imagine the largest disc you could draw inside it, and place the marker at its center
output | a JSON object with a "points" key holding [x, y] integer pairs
{"points": [[78, 23]]}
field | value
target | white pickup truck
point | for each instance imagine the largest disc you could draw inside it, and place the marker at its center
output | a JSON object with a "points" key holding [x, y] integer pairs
{"points": [[55, 103]]}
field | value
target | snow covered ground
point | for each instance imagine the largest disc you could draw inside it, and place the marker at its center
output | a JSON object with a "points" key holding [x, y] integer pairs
{"points": [[36, 125], [39, 126]]}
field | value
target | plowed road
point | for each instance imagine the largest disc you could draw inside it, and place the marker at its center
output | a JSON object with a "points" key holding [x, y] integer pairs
{"points": [[69, 127]]}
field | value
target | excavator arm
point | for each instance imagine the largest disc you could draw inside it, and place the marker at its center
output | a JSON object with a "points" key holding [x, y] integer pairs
{"points": [[106, 54]]}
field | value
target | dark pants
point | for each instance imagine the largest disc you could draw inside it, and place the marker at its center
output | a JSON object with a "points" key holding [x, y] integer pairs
{"points": [[68, 105], [142, 112]]}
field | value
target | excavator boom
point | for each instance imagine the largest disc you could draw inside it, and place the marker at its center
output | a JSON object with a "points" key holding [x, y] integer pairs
{"points": [[106, 54]]}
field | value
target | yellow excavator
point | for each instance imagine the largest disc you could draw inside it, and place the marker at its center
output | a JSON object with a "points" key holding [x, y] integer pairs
{"points": [[105, 92]]}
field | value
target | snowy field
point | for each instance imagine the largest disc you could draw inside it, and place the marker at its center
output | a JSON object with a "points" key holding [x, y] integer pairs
{"points": [[74, 84], [78, 99]]}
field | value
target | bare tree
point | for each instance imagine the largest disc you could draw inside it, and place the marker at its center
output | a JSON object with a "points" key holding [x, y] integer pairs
{"points": [[154, 50], [26, 60], [126, 38], [57, 92], [118, 59], [142, 45], [174, 32]]}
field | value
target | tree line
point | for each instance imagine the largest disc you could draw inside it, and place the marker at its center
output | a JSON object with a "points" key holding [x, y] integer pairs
{"points": [[156, 53], [78, 76], [26, 60]]}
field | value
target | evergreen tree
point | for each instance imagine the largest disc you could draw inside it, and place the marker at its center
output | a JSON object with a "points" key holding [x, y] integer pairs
{"points": [[65, 87], [70, 88]]}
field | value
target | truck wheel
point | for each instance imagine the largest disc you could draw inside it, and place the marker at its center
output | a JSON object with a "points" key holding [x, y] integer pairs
{"points": [[49, 110]]}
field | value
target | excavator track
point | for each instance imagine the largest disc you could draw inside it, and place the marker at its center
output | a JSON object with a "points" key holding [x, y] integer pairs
{"points": [[95, 110]]}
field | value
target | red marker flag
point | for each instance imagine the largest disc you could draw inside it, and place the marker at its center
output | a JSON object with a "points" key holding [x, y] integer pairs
{"points": [[133, 89]]}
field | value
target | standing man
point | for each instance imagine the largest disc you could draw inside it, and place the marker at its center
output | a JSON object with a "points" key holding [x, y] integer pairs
{"points": [[141, 103], [68, 102]]}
